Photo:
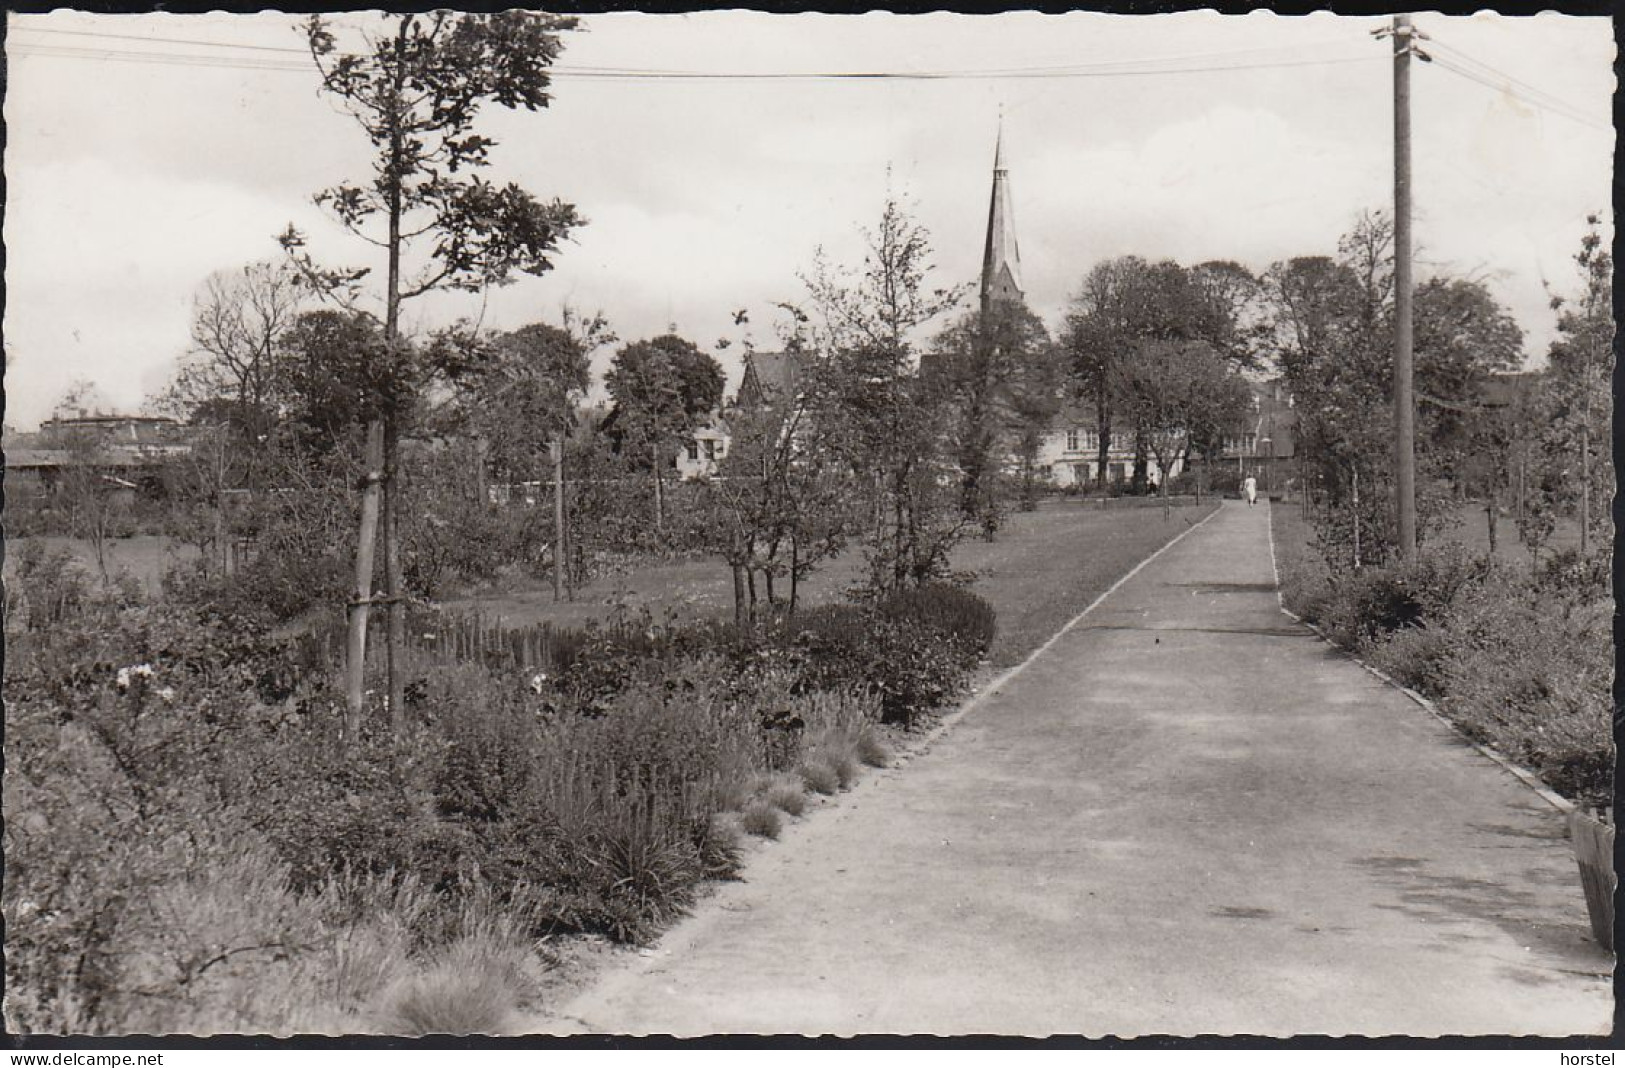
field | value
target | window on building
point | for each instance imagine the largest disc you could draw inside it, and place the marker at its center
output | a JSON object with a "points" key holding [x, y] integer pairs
{"points": [[710, 450], [1072, 441], [694, 451]]}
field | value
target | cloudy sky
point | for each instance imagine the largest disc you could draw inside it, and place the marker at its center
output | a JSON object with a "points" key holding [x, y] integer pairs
{"points": [[138, 162]]}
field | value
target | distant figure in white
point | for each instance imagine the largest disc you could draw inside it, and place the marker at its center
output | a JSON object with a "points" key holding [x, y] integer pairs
{"points": [[1250, 488]]}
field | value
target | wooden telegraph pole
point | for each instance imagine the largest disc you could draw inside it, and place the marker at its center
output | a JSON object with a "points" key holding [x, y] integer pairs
{"points": [[1404, 403]]}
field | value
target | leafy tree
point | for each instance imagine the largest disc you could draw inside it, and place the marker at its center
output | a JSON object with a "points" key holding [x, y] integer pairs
{"points": [[784, 500], [1581, 368], [1004, 387], [1185, 397], [523, 397], [1462, 336], [877, 307], [1128, 305], [92, 494], [338, 379], [1332, 323], [664, 389], [1236, 296], [881, 417], [416, 91]]}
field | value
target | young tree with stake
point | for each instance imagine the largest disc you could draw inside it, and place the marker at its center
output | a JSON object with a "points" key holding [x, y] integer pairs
{"points": [[416, 91]]}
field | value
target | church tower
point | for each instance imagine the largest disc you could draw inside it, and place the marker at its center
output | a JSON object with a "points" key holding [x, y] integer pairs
{"points": [[1001, 258]]}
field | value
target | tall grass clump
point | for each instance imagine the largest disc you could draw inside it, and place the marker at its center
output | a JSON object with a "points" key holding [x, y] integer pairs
{"points": [[761, 818]]}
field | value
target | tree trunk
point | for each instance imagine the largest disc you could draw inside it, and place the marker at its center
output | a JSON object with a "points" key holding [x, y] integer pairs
{"points": [[1103, 419], [660, 496], [355, 650], [741, 612], [795, 573], [387, 436], [222, 546], [559, 557], [1356, 519], [395, 645], [1490, 516], [1137, 482], [900, 529], [1162, 487], [1585, 477]]}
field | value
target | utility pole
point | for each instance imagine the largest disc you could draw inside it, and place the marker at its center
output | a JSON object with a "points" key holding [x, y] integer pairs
{"points": [[1404, 404]]}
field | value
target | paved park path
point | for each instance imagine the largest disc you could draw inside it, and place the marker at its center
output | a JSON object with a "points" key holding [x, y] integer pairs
{"points": [[1186, 815]]}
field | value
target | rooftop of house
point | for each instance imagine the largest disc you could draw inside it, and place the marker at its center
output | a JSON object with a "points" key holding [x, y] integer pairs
{"points": [[769, 377]]}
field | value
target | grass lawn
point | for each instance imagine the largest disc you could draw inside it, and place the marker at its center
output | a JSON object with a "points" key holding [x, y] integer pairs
{"points": [[1295, 537], [1472, 530], [144, 556], [1042, 570]]}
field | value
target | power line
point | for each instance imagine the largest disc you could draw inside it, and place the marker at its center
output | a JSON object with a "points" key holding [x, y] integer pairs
{"points": [[1295, 49], [590, 74], [1111, 68], [110, 36], [1460, 63]]}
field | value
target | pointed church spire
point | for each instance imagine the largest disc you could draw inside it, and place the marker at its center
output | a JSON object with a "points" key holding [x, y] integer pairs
{"points": [[1001, 256]]}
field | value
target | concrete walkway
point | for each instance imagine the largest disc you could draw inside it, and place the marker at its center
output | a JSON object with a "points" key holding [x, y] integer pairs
{"points": [[1186, 816]]}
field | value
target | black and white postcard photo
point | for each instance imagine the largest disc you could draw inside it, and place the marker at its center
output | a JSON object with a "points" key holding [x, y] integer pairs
{"points": [[577, 530]]}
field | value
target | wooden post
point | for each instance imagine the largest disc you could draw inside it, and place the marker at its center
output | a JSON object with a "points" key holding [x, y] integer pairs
{"points": [[395, 636], [556, 448], [355, 651]]}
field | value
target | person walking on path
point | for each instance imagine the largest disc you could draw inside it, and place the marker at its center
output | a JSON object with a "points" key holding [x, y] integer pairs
{"points": [[1250, 488]]}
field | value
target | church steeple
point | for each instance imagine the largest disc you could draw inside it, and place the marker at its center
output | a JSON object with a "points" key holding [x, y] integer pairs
{"points": [[1001, 257]]}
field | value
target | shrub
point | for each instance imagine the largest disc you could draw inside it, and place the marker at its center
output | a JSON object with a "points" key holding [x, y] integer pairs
{"points": [[914, 670], [719, 847], [471, 981], [871, 750], [1379, 601], [1521, 662], [787, 796], [1414, 657], [846, 769], [819, 776], [761, 819], [956, 613]]}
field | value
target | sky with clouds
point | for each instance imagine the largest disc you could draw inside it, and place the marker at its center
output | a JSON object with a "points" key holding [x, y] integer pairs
{"points": [[1193, 136]]}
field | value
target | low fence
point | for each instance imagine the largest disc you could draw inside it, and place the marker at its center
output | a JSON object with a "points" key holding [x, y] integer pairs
{"points": [[440, 639]]}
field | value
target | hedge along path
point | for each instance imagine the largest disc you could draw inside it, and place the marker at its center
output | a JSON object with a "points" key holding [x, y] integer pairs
{"points": [[1512, 767], [1184, 816]]}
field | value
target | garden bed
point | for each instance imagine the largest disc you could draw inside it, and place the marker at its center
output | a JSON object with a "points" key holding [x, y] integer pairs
{"points": [[1515, 657]]}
